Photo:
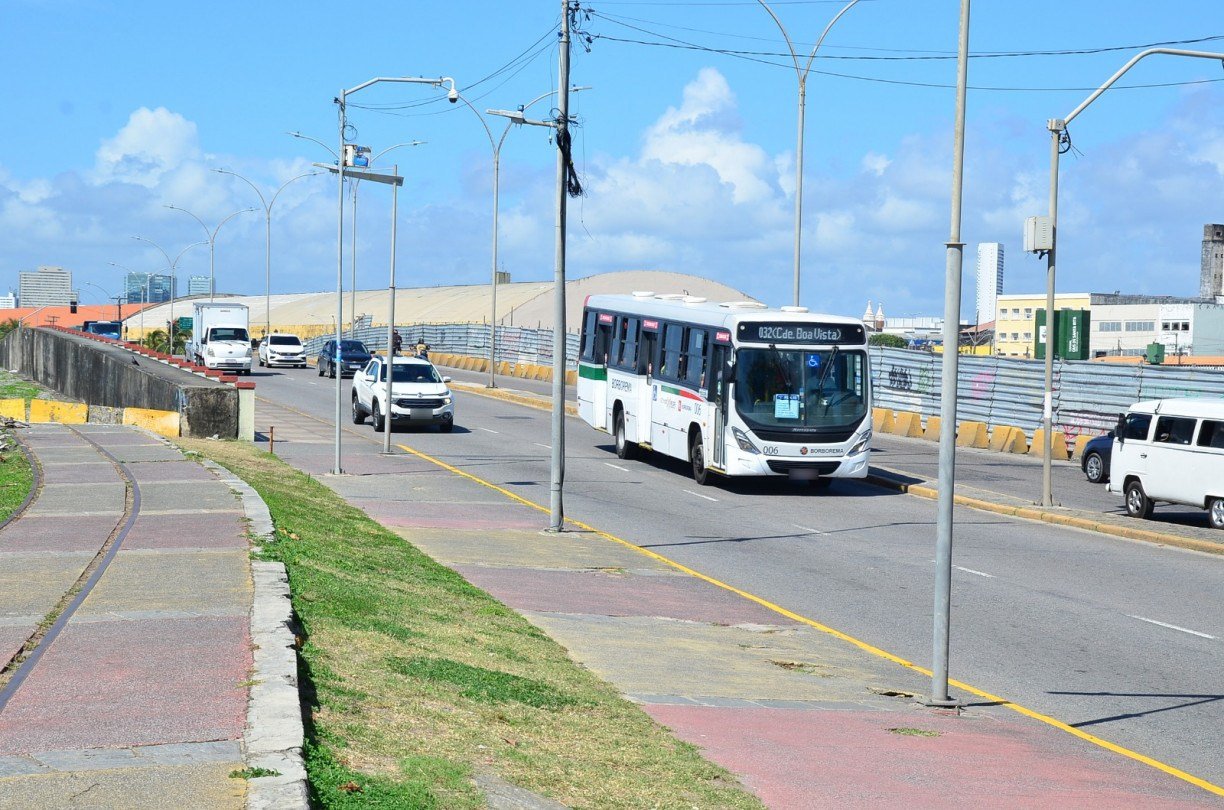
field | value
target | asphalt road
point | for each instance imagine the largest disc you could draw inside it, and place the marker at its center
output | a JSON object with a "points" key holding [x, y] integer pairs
{"points": [[1124, 640]]}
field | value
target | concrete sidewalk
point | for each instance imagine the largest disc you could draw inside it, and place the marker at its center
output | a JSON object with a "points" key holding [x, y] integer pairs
{"points": [[803, 715], [137, 696]]}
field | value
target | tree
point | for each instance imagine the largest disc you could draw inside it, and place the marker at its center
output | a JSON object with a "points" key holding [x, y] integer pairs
{"points": [[890, 341]]}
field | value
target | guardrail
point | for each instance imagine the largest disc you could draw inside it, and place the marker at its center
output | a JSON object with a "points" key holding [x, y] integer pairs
{"points": [[514, 344]]}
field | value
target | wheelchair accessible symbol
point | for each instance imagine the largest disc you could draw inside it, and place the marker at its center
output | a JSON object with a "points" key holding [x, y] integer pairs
{"points": [[813, 361]]}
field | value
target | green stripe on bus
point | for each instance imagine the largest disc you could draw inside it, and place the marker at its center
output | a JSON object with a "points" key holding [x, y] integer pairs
{"points": [[592, 372]]}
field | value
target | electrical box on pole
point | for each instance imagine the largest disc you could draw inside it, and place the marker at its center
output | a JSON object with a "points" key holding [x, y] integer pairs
{"points": [[356, 156], [1038, 234]]}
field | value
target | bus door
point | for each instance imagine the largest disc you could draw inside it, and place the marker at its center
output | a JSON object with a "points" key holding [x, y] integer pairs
{"points": [[717, 395], [646, 365]]}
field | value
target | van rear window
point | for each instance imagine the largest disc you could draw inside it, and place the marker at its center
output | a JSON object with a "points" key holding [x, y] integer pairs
{"points": [[1174, 430], [1211, 434]]}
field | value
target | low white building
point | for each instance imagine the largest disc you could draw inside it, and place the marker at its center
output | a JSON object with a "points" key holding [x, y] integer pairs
{"points": [[1127, 324], [8, 301]]}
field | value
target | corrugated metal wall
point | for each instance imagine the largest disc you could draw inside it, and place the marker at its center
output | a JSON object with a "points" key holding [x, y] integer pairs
{"points": [[1004, 391], [514, 344]]}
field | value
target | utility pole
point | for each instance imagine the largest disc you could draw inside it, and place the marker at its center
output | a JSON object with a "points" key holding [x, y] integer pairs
{"points": [[556, 519]]}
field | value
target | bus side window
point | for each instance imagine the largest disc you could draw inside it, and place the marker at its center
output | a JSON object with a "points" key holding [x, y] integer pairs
{"points": [[603, 339], [670, 352], [646, 360], [697, 349], [630, 330], [618, 340]]}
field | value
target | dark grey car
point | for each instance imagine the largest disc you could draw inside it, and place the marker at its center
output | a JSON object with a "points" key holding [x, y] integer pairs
{"points": [[351, 358]]}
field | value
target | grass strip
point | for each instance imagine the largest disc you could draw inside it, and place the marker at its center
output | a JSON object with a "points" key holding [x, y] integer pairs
{"points": [[415, 681], [16, 477]]}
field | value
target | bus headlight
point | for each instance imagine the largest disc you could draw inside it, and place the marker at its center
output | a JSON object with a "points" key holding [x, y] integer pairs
{"points": [[860, 445], [744, 442]]}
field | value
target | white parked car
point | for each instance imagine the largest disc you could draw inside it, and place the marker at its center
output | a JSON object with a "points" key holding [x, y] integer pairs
{"points": [[278, 349], [1170, 451], [419, 395]]}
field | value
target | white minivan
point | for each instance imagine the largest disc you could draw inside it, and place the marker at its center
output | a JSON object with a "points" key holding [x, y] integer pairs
{"points": [[1170, 451]]}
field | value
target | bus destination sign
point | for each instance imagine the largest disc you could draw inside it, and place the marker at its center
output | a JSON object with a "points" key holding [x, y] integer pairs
{"points": [[800, 333]]}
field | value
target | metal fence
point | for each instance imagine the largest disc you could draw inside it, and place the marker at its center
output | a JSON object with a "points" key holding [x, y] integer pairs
{"points": [[994, 390], [514, 344], [1005, 391]]}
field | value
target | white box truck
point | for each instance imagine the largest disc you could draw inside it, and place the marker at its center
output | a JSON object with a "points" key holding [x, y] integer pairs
{"points": [[219, 337]]}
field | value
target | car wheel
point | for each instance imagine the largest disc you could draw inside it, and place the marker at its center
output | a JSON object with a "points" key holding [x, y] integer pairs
{"points": [[358, 414], [1138, 504], [446, 427], [624, 450], [1094, 468], [320, 367], [1215, 513], [380, 423], [701, 474], [331, 370]]}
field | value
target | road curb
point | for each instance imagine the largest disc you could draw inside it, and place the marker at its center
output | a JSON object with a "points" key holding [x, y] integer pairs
{"points": [[1046, 516], [274, 733]]}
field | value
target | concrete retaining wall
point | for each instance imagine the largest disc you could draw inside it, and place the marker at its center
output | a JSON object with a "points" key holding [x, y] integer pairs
{"points": [[107, 374]]}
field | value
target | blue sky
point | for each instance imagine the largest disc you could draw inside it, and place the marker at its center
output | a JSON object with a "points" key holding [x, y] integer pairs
{"points": [[116, 109]]}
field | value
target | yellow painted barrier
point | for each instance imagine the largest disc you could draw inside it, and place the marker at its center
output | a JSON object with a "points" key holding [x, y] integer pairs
{"points": [[934, 427], [1008, 439], [164, 423], [883, 421], [503, 368], [909, 424], [13, 409], [1058, 444], [972, 434], [66, 413], [1080, 441], [571, 377]]}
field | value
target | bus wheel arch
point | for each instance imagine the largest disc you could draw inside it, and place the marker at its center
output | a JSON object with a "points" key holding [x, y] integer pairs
{"points": [[701, 473], [624, 448]]}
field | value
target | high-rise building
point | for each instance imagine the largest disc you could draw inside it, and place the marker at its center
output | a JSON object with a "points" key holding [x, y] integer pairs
{"points": [[47, 287], [1211, 278], [989, 279], [197, 285], [8, 301], [154, 288]]}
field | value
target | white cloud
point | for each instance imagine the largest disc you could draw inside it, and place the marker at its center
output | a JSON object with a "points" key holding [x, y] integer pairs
{"points": [[151, 144]]}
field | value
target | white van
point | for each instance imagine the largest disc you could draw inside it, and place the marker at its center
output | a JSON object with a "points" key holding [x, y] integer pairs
{"points": [[1170, 451]]}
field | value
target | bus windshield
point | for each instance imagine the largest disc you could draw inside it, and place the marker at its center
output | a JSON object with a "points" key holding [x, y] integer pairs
{"points": [[800, 388]]}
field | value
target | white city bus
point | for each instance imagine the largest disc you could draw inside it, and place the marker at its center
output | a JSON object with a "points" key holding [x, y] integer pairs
{"points": [[734, 388]]}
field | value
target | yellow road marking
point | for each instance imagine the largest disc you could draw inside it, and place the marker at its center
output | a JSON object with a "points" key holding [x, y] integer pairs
{"points": [[1050, 721]]}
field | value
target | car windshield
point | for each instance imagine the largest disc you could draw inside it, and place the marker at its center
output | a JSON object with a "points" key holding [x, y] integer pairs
{"points": [[412, 373], [229, 333], [800, 388], [284, 340], [353, 347]]}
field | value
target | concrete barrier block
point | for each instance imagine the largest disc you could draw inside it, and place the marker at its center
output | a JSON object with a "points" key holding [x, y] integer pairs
{"points": [[164, 423], [66, 413], [934, 426], [1058, 444], [13, 409], [503, 368], [571, 377], [883, 421], [1008, 439], [909, 424], [972, 434], [246, 412], [1078, 451]]}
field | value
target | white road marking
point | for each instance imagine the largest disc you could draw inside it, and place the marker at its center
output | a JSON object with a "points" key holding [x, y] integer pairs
{"points": [[971, 571], [615, 467], [545, 446], [699, 495], [1174, 627], [808, 529], [486, 430]]}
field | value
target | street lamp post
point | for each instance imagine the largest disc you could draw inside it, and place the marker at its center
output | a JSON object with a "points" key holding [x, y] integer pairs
{"points": [[496, 197], [1058, 136], [212, 243], [173, 266], [802, 73], [267, 206], [556, 519], [341, 101]]}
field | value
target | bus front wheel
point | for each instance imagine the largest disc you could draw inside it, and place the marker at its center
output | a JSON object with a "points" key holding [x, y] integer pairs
{"points": [[697, 455]]}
